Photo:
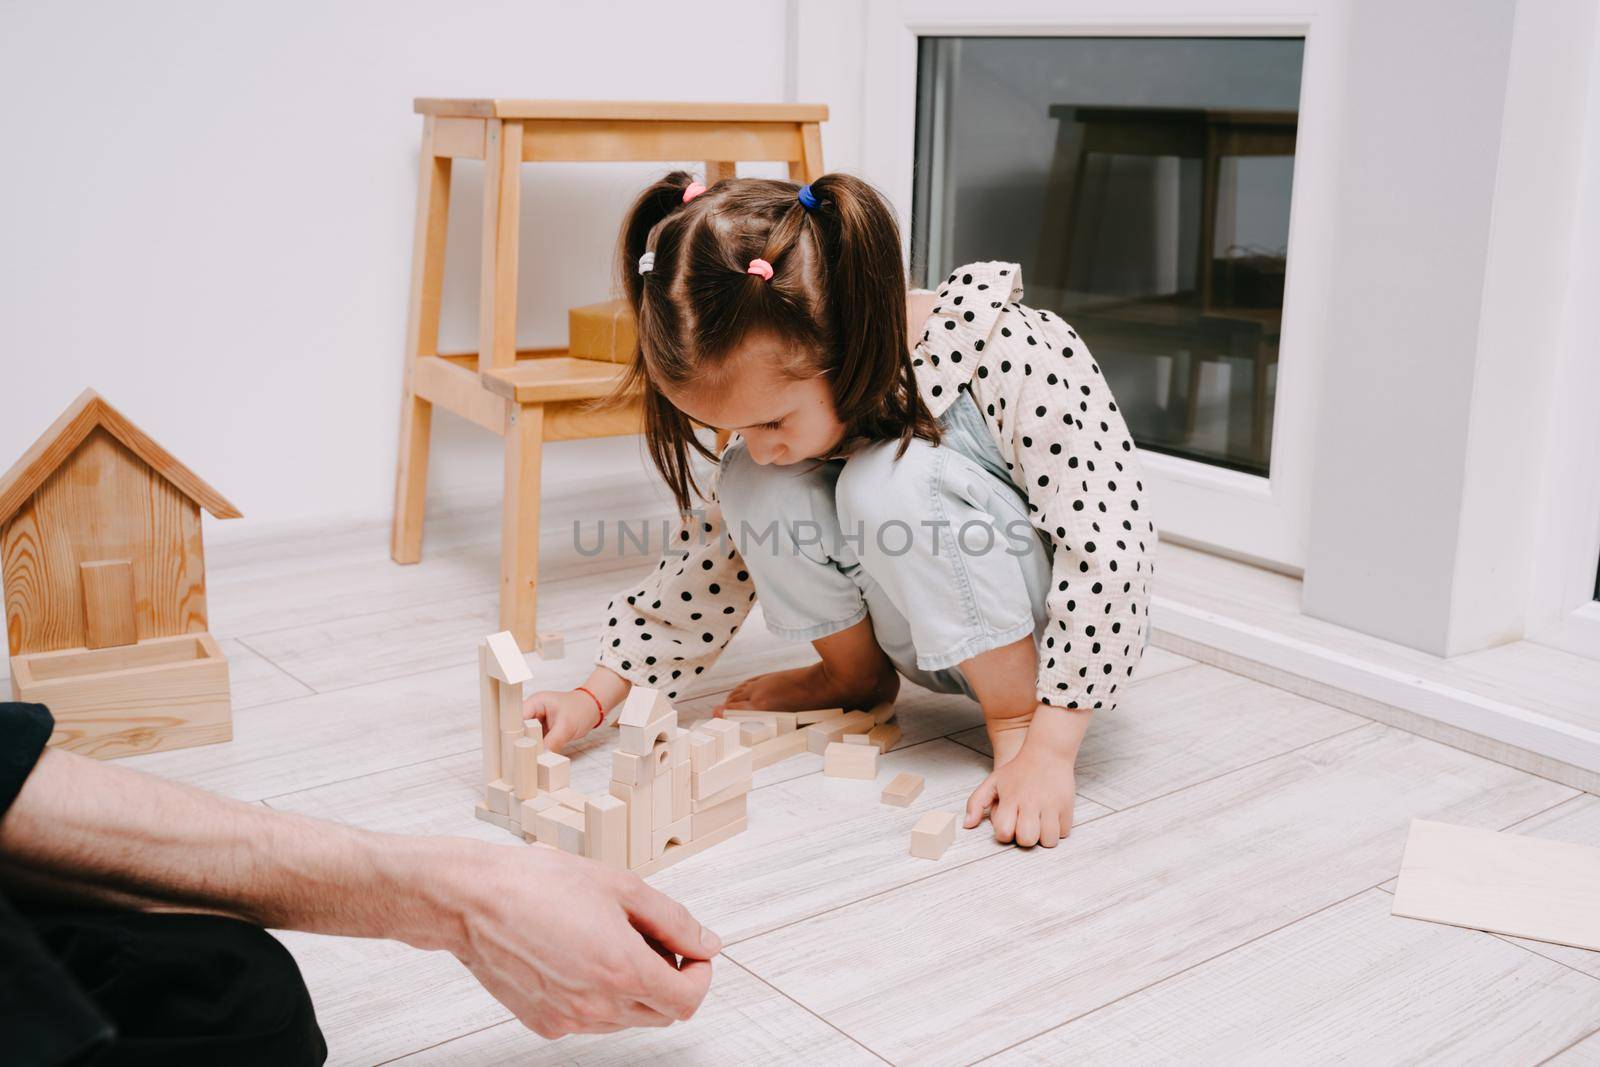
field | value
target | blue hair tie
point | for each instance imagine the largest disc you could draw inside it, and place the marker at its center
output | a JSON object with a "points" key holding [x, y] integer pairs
{"points": [[807, 200]]}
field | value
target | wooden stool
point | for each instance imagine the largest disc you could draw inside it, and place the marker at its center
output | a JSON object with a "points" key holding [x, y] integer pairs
{"points": [[537, 395]]}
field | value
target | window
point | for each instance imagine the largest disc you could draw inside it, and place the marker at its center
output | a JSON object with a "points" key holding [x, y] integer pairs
{"points": [[1143, 184]]}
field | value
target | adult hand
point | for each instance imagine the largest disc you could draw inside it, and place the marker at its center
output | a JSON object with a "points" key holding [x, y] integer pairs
{"points": [[572, 946]]}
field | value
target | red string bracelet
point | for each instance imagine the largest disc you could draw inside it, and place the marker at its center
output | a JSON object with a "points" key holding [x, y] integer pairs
{"points": [[599, 707]]}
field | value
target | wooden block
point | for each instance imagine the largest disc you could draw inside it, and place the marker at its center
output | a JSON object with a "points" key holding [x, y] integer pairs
{"points": [[674, 831], [820, 735], [1505, 883], [727, 735], [714, 818], [560, 827], [753, 731], [778, 749], [783, 722], [605, 831], [675, 853], [571, 830], [529, 810], [806, 718], [635, 770], [534, 729], [551, 644], [510, 707], [488, 715], [497, 794], [723, 773], [680, 746], [508, 754], [505, 662], [545, 828], [934, 833], [555, 772], [850, 761], [644, 706], [482, 811], [882, 713], [702, 750], [661, 759], [639, 740], [680, 790], [903, 789], [527, 752], [855, 739], [885, 736], [638, 801], [108, 615], [721, 796], [570, 798], [661, 800]]}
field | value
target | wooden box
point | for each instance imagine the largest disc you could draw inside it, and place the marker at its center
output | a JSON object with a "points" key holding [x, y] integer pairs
{"points": [[166, 692], [602, 331]]}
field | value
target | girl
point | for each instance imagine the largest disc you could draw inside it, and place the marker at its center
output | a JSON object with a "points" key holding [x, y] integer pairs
{"points": [[935, 485]]}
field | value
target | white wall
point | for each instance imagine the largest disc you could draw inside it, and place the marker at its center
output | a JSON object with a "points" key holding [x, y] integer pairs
{"points": [[206, 213]]}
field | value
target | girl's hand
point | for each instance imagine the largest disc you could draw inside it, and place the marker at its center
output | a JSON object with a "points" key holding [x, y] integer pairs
{"points": [[566, 714], [1029, 797], [1028, 800]]}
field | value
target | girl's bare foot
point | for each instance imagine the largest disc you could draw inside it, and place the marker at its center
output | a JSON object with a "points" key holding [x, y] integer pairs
{"points": [[804, 688]]}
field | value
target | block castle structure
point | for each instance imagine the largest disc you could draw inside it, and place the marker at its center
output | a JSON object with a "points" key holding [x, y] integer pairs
{"points": [[673, 792]]}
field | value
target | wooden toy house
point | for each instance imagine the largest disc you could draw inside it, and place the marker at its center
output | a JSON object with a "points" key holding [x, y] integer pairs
{"points": [[105, 589]]}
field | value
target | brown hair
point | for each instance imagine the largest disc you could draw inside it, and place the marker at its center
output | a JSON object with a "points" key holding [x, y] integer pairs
{"points": [[836, 299]]}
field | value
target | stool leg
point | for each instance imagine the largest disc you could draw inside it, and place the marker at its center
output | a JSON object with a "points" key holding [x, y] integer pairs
{"points": [[422, 339], [519, 523]]}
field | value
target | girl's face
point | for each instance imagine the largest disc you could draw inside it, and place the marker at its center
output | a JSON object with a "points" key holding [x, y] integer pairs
{"points": [[781, 420]]}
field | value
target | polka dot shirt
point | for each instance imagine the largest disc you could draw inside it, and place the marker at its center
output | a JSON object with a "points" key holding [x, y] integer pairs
{"points": [[1065, 445]]}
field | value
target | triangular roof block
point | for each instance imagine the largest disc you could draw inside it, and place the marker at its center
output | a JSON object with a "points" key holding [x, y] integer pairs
{"points": [[86, 414], [505, 659], [644, 706]]}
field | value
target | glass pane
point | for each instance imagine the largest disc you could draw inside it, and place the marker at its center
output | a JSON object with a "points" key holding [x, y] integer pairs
{"points": [[1143, 184]]}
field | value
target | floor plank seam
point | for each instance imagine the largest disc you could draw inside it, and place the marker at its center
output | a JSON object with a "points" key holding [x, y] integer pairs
{"points": [[1179, 971], [848, 1037], [1567, 1048], [1255, 763], [440, 1044], [1576, 793], [275, 665]]}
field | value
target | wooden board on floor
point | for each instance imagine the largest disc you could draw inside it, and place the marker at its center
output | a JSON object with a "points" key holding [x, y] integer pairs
{"points": [[1501, 882]]}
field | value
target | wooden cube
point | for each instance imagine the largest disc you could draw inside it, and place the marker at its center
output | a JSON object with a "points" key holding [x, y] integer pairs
{"points": [[934, 833], [680, 790], [753, 731], [570, 798], [855, 739], [551, 644], [635, 770], [498, 795], [555, 772]]}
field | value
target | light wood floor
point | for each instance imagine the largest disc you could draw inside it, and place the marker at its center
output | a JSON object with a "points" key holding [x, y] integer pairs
{"points": [[1224, 895]]}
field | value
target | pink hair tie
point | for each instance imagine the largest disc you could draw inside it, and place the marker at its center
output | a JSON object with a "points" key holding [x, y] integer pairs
{"points": [[761, 267], [694, 190]]}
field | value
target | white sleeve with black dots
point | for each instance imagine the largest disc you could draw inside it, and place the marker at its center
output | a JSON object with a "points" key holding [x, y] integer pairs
{"points": [[1070, 450], [671, 627]]}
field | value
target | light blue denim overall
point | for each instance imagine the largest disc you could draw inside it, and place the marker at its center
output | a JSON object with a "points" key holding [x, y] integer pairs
{"points": [[936, 546]]}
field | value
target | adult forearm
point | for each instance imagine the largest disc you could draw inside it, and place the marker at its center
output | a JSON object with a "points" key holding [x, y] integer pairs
{"points": [[105, 827]]}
